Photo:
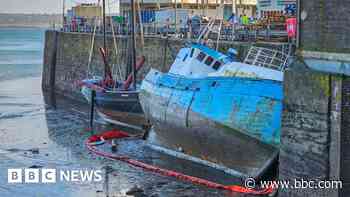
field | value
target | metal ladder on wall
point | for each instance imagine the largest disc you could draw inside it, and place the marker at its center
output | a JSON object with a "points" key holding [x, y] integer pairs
{"points": [[210, 28]]}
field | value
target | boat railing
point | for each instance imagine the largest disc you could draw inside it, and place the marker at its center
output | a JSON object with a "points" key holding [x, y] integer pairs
{"points": [[268, 58]]}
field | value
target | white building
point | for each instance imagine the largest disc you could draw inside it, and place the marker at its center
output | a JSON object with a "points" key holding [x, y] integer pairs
{"points": [[273, 5]]}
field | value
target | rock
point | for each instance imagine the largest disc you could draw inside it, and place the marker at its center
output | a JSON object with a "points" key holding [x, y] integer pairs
{"points": [[36, 166], [114, 146], [35, 150], [134, 190]]}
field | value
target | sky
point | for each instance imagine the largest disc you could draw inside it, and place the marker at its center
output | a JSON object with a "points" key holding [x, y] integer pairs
{"points": [[37, 6]]}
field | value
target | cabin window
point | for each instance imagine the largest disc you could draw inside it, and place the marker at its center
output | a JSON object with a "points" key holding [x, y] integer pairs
{"points": [[184, 59], [217, 65], [201, 56], [209, 60], [191, 54]]}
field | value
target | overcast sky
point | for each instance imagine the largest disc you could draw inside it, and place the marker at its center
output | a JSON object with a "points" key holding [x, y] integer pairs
{"points": [[37, 6]]}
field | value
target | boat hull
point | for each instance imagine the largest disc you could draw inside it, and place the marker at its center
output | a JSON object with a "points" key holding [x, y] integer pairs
{"points": [[122, 108], [234, 122]]}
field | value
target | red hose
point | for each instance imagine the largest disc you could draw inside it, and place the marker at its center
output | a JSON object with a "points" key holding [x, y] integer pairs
{"points": [[170, 173]]}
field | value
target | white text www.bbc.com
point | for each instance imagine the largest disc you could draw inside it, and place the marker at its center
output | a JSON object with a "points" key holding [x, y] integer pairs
{"points": [[295, 184]]}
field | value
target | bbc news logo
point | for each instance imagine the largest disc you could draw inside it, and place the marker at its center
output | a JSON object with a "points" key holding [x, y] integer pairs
{"points": [[52, 176]]}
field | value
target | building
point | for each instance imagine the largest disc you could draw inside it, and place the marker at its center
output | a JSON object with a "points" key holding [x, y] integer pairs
{"points": [[274, 5], [87, 10], [200, 7]]}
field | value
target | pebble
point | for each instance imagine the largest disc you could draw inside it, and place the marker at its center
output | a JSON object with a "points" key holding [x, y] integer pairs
{"points": [[35, 166], [35, 151], [134, 190]]}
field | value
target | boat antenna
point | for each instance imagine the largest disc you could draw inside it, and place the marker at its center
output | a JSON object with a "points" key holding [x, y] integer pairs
{"points": [[133, 61]]}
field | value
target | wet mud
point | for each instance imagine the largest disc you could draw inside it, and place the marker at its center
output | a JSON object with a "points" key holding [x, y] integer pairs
{"points": [[42, 130]]}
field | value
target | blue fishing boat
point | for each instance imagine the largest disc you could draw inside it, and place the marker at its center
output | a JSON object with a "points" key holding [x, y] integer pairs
{"points": [[212, 107]]}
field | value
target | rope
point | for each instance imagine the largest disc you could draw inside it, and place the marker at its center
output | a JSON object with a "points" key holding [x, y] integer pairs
{"points": [[119, 74], [141, 25], [93, 43], [93, 141]]}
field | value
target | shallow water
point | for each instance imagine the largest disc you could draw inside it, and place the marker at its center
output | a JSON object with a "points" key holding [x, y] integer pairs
{"points": [[58, 127], [21, 51]]}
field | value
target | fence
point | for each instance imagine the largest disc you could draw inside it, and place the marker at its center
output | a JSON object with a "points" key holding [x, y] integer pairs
{"points": [[228, 32]]}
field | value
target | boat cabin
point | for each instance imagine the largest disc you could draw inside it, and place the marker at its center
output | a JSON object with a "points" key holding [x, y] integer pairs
{"points": [[200, 60]]}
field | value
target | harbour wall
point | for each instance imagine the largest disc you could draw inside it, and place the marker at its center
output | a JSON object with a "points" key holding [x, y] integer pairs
{"points": [[321, 30], [315, 124], [315, 132], [66, 57]]}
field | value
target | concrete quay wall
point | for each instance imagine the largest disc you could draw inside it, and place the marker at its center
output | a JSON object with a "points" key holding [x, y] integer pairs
{"points": [[315, 132], [66, 57]]}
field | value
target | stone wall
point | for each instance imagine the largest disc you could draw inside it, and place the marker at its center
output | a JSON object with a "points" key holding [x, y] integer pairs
{"points": [[326, 26], [314, 131], [345, 138], [73, 56]]}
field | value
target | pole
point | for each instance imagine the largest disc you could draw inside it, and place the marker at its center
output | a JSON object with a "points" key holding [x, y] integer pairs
{"points": [[63, 10], [133, 61], [298, 24], [202, 7], [92, 109], [234, 7], [104, 25], [206, 7], [175, 16]]}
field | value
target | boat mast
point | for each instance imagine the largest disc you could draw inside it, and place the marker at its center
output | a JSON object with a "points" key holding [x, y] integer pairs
{"points": [[106, 70], [104, 25], [133, 61]]}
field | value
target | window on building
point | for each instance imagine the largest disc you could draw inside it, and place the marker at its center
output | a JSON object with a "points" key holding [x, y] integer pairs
{"points": [[217, 65], [209, 60], [201, 56]]}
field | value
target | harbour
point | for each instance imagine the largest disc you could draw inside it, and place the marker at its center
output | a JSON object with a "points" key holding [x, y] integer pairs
{"points": [[52, 136], [223, 107]]}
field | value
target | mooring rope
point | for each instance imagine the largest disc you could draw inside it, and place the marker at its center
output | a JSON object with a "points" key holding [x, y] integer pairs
{"points": [[97, 20], [119, 72]]}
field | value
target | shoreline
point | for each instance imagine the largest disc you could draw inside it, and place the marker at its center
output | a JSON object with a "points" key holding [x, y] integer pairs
{"points": [[41, 26]]}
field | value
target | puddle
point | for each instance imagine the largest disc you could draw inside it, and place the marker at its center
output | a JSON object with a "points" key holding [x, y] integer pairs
{"points": [[35, 134]]}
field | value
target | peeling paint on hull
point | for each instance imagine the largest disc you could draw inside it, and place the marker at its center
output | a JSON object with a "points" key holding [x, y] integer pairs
{"points": [[216, 118]]}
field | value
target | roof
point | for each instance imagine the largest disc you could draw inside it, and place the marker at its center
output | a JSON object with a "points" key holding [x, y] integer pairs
{"points": [[213, 53]]}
